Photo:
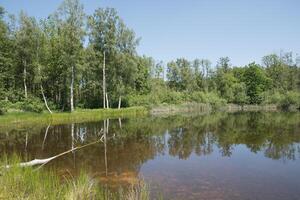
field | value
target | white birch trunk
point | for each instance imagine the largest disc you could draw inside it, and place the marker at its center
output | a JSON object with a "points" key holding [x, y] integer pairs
{"points": [[45, 100], [120, 99], [103, 85], [72, 90], [107, 105], [24, 79]]}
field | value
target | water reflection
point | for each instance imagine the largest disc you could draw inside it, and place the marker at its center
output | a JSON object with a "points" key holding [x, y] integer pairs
{"points": [[132, 144], [275, 134]]}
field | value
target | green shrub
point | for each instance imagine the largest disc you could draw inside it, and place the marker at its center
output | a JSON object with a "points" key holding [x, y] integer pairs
{"points": [[272, 97], [4, 105], [199, 97], [172, 97], [156, 98], [32, 105], [210, 98], [284, 100], [290, 99], [138, 100], [215, 101]]}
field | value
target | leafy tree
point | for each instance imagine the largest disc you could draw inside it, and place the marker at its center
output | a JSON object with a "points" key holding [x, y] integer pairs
{"points": [[180, 75], [70, 19], [173, 75], [224, 63], [240, 94], [26, 43], [256, 83], [206, 68], [6, 58], [109, 35], [198, 75]]}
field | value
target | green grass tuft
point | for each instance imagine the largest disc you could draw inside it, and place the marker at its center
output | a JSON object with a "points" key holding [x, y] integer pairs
{"points": [[27, 183]]}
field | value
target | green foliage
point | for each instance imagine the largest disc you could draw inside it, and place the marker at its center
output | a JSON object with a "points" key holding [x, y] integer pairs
{"points": [[290, 99], [32, 105], [240, 94], [3, 106], [256, 83], [173, 97], [270, 97], [180, 75], [215, 101], [51, 53], [156, 98]]}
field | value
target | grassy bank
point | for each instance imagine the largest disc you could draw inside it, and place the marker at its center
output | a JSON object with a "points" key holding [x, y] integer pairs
{"points": [[27, 183], [24, 118]]}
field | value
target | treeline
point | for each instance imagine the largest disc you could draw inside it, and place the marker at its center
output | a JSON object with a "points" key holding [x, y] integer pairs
{"points": [[71, 59]]}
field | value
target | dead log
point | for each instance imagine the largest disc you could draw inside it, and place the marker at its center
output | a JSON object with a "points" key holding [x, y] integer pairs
{"points": [[43, 162]]}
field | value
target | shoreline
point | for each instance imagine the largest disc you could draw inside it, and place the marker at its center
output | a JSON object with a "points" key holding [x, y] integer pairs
{"points": [[20, 119]]}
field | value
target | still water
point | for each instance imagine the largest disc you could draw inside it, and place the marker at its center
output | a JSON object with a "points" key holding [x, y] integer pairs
{"points": [[217, 156]]}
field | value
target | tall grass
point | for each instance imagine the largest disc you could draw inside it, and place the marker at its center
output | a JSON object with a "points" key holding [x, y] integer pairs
{"points": [[31, 184], [139, 191]]}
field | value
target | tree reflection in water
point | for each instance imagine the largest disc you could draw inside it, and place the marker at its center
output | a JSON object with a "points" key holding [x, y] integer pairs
{"points": [[132, 142]]}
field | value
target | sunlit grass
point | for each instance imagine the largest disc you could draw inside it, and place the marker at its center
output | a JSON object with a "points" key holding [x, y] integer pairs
{"points": [[80, 115], [27, 183]]}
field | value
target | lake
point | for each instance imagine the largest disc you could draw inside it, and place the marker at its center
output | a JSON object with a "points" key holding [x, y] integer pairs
{"points": [[217, 156]]}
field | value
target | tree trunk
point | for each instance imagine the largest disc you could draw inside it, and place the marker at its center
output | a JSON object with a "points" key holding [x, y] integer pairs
{"points": [[103, 85], [72, 90], [72, 136], [45, 100], [46, 133], [120, 123], [120, 99], [104, 141], [107, 105], [43, 162], [24, 79]]}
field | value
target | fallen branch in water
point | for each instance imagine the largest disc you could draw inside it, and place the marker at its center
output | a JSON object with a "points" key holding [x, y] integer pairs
{"points": [[43, 162]]}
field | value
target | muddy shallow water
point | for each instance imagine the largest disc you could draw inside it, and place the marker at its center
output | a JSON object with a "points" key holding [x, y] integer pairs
{"points": [[218, 156]]}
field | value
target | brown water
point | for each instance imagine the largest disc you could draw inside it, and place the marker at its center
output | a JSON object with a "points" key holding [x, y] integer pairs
{"points": [[218, 156]]}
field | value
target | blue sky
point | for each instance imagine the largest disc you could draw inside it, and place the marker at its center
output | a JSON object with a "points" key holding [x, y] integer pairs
{"points": [[244, 30]]}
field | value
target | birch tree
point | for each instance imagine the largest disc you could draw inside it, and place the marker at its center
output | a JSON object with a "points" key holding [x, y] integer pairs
{"points": [[25, 48], [70, 16]]}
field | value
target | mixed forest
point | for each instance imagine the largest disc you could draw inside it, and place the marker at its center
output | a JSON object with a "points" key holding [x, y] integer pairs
{"points": [[72, 60]]}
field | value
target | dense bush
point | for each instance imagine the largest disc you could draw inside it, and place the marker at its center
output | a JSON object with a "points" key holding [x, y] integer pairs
{"points": [[28, 105], [283, 100], [290, 99], [199, 97], [173, 97], [272, 97], [4, 105], [215, 101], [210, 98], [163, 96], [32, 105]]}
